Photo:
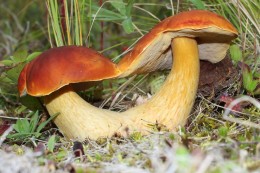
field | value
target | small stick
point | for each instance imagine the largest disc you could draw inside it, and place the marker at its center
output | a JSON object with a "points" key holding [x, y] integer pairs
{"points": [[3, 137], [235, 120]]}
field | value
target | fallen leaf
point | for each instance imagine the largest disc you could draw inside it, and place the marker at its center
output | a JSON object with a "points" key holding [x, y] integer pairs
{"points": [[4, 126], [227, 100], [78, 149]]}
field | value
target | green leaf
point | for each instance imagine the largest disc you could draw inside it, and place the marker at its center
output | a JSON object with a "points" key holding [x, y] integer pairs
{"points": [[51, 143], [252, 86], [7, 62], [128, 25], [5, 79], [182, 151], [120, 6], [248, 82], [198, 4], [32, 56], [25, 127], [223, 131], [129, 7], [34, 121], [22, 126], [61, 155], [30, 102], [235, 53], [19, 135], [14, 73], [20, 109], [19, 56], [42, 125], [16, 127]]}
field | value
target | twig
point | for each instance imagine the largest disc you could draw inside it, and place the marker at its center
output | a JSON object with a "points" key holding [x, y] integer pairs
{"points": [[205, 164], [226, 108], [3, 137], [12, 118], [235, 120]]}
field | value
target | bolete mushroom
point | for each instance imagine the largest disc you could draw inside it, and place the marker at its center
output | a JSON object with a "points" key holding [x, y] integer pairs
{"points": [[184, 38]]}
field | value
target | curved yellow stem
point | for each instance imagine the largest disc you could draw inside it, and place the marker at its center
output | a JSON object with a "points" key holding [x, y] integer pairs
{"points": [[170, 106]]}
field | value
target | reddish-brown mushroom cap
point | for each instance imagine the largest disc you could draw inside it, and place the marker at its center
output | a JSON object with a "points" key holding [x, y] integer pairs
{"points": [[212, 32], [61, 66]]}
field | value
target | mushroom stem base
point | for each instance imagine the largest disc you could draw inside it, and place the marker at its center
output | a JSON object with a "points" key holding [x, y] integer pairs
{"points": [[78, 119]]}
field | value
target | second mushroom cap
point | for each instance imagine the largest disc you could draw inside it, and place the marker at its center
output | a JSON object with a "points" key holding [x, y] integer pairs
{"points": [[212, 32]]}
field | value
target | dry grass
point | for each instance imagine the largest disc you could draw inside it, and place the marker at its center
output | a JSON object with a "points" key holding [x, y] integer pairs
{"points": [[208, 144]]}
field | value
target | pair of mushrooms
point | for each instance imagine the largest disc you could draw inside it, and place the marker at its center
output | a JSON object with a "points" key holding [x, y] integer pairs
{"points": [[178, 41]]}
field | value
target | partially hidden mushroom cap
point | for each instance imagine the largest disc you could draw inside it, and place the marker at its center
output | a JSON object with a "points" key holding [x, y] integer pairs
{"points": [[212, 32], [61, 66]]}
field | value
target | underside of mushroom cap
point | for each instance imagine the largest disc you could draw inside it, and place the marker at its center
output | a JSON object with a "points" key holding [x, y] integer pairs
{"points": [[61, 66], [212, 32]]}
